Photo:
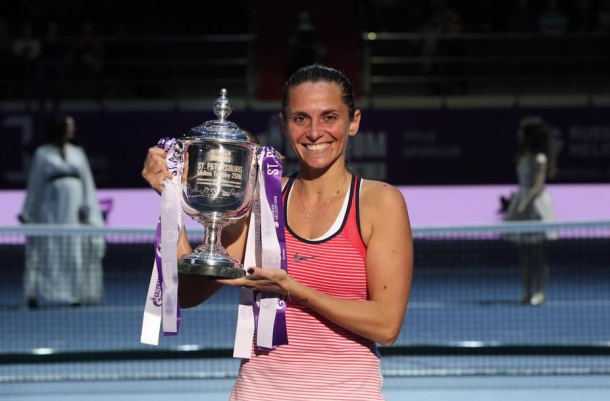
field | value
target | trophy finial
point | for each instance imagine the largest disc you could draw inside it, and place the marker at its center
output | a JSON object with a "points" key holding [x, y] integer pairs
{"points": [[222, 106]]}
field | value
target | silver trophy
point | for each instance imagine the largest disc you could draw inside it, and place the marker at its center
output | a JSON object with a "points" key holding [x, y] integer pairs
{"points": [[218, 186]]}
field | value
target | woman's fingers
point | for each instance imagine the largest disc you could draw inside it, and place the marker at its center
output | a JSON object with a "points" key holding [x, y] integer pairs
{"points": [[155, 169], [257, 279], [242, 281]]}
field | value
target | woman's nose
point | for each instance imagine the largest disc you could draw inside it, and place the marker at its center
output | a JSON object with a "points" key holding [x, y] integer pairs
{"points": [[315, 132]]}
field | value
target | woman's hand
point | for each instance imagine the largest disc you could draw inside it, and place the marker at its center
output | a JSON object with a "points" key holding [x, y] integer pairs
{"points": [[155, 169], [275, 280]]}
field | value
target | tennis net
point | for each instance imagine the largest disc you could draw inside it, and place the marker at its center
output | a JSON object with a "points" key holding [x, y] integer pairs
{"points": [[464, 316]]}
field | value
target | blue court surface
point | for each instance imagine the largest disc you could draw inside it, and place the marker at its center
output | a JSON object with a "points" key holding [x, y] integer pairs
{"points": [[590, 388], [465, 336]]}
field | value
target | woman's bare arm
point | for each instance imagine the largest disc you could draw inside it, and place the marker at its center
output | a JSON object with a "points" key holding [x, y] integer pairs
{"points": [[389, 263], [539, 181]]}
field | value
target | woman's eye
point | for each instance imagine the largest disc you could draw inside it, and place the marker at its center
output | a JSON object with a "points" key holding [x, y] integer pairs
{"points": [[299, 119], [330, 118]]}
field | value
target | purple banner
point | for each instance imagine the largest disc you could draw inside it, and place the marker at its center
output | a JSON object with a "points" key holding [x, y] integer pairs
{"points": [[402, 147]]}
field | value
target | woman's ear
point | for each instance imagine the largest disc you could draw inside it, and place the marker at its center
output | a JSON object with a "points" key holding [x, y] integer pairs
{"points": [[354, 125]]}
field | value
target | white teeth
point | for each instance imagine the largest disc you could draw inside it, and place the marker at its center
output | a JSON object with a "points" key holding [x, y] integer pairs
{"points": [[318, 148]]}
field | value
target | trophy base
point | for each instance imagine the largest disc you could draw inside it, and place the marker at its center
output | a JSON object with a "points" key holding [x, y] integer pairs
{"points": [[210, 266]]}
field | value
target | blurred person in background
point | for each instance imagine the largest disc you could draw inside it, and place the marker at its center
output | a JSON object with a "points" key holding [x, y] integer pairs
{"points": [[61, 190], [350, 256], [536, 162]]}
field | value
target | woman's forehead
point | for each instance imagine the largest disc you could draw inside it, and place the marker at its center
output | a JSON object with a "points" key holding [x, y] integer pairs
{"points": [[315, 94]]}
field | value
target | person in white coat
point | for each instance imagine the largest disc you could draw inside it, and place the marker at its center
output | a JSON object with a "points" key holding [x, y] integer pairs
{"points": [[61, 190]]}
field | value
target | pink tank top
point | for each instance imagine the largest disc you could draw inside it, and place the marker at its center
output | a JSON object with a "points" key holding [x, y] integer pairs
{"points": [[322, 361]]}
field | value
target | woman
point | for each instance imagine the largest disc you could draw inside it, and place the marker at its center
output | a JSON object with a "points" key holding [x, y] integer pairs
{"points": [[61, 190], [532, 202], [349, 253]]}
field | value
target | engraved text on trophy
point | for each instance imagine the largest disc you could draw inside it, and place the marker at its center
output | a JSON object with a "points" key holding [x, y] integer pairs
{"points": [[217, 176]]}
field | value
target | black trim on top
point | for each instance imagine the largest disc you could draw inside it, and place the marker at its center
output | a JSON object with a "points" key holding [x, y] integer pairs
{"points": [[291, 179], [358, 209], [345, 217]]}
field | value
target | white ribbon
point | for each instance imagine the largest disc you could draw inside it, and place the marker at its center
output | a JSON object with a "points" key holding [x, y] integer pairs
{"points": [[170, 231], [162, 298], [262, 249], [245, 319], [151, 322]]}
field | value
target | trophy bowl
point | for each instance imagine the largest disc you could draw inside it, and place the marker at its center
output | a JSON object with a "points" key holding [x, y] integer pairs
{"points": [[217, 188]]}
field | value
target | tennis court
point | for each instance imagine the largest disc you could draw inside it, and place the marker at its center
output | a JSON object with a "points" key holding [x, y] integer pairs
{"points": [[465, 335]]}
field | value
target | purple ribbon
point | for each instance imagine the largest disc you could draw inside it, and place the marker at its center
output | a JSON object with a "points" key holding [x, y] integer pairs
{"points": [[272, 173]]}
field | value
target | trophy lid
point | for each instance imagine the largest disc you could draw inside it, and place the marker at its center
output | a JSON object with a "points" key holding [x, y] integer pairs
{"points": [[220, 129]]}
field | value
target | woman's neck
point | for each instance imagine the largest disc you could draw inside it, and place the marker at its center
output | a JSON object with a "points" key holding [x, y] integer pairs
{"points": [[320, 182]]}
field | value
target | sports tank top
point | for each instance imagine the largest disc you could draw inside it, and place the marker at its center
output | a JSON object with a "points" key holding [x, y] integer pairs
{"points": [[322, 361]]}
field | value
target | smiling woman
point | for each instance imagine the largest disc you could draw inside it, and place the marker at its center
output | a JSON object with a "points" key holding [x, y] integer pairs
{"points": [[318, 124], [350, 257]]}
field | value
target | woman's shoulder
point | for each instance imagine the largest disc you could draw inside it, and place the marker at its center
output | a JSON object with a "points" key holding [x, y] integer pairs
{"points": [[380, 194], [380, 205], [77, 150]]}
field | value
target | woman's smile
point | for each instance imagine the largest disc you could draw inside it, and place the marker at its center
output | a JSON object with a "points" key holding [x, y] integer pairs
{"points": [[317, 147]]}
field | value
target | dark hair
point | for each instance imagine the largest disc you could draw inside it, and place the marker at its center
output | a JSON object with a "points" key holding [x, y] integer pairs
{"points": [[58, 130], [320, 73], [535, 137]]}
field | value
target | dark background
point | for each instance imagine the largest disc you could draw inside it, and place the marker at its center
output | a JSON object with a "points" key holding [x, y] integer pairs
{"points": [[443, 84]]}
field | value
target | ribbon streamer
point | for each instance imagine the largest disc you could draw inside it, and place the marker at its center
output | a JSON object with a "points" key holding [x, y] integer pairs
{"points": [[266, 311], [162, 298]]}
